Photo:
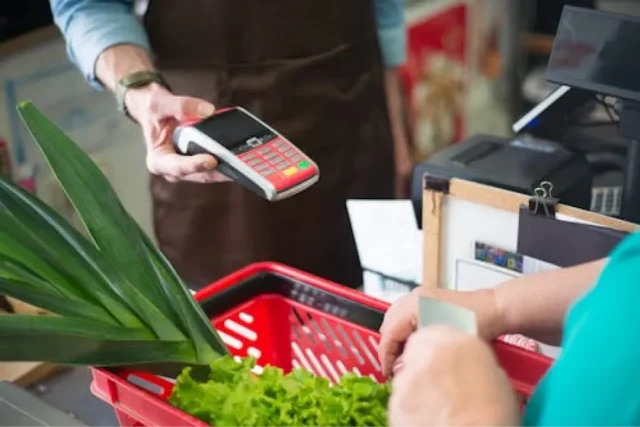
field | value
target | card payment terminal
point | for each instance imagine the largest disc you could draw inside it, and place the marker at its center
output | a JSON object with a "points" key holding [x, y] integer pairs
{"points": [[250, 152]]}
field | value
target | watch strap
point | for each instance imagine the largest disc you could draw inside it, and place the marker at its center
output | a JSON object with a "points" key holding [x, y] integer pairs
{"points": [[133, 81]]}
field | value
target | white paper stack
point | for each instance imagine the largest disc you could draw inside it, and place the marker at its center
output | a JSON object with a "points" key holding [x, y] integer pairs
{"points": [[389, 246]]}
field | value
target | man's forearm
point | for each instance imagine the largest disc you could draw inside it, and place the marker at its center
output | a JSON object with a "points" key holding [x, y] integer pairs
{"points": [[536, 305], [118, 61]]}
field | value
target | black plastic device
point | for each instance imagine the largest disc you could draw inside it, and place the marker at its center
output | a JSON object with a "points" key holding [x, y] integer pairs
{"points": [[250, 152], [597, 51], [518, 165]]}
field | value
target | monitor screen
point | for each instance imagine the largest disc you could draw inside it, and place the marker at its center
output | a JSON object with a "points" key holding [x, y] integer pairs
{"points": [[597, 51], [232, 128]]}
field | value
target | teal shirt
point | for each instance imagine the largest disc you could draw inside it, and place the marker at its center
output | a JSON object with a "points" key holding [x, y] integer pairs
{"points": [[596, 379]]}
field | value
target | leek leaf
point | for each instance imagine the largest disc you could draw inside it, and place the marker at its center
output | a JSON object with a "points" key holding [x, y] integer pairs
{"points": [[14, 270], [85, 284], [115, 232], [116, 300], [67, 277], [109, 225], [73, 342], [72, 252], [59, 237], [17, 282], [47, 300], [14, 250], [185, 301]]}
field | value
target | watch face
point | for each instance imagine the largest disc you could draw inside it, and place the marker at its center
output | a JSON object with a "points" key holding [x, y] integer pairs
{"points": [[235, 130]]}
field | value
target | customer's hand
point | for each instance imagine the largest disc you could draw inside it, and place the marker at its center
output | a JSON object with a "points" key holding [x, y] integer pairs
{"points": [[401, 319], [158, 111], [450, 379]]}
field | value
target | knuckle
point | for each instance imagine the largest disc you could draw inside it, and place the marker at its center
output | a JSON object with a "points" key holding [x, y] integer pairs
{"points": [[153, 105], [183, 168], [152, 165]]}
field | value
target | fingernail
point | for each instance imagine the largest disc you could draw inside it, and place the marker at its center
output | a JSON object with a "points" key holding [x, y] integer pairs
{"points": [[207, 164], [205, 110]]}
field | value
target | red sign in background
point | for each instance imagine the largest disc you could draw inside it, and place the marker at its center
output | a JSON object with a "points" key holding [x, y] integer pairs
{"points": [[434, 76]]}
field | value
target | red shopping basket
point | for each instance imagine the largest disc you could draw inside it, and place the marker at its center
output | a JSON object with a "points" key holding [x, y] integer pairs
{"points": [[286, 318]]}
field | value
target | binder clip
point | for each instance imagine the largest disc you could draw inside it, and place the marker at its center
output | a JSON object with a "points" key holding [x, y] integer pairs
{"points": [[542, 202]]}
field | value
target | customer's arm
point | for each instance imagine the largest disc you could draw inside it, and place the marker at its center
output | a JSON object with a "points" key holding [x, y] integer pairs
{"points": [[392, 35], [536, 305]]}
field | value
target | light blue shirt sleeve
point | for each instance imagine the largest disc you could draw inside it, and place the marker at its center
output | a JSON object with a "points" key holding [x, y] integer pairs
{"points": [[392, 31], [92, 26]]}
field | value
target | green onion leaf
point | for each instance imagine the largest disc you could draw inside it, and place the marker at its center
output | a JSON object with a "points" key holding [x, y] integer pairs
{"points": [[114, 299], [73, 342]]}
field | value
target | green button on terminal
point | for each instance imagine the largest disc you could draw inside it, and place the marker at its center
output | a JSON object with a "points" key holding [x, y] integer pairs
{"points": [[304, 164]]}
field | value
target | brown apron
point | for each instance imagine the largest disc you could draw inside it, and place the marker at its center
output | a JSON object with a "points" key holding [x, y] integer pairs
{"points": [[310, 68]]}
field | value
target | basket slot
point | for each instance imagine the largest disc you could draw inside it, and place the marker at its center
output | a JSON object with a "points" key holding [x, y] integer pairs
{"points": [[365, 349], [332, 371], [301, 358], [254, 352], [316, 364], [323, 336], [147, 385], [303, 327], [246, 317], [334, 337], [231, 341], [375, 344], [350, 345], [241, 330], [340, 365]]}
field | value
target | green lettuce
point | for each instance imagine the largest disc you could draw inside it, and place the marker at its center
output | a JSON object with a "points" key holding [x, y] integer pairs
{"points": [[234, 396]]}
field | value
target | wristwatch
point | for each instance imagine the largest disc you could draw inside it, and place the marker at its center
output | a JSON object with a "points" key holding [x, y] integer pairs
{"points": [[134, 81]]}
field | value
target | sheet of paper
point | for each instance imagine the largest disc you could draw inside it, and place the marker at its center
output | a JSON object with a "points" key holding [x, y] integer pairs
{"points": [[388, 241], [435, 312]]}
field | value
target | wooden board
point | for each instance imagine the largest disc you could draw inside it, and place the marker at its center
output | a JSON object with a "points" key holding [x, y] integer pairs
{"points": [[493, 202], [19, 307], [26, 374]]}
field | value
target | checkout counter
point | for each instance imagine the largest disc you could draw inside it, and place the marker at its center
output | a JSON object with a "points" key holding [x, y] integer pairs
{"points": [[19, 407]]}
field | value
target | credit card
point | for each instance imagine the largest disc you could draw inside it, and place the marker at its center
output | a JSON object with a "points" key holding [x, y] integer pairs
{"points": [[436, 312]]}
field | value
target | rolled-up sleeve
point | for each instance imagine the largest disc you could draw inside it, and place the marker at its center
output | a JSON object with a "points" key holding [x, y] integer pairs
{"points": [[91, 26], [392, 31]]}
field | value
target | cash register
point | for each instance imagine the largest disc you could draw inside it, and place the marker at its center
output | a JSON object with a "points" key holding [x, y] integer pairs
{"points": [[583, 64], [518, 164]]}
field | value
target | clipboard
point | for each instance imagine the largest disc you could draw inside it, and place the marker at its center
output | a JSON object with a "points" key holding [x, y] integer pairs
{"points": [[457, 213]]}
